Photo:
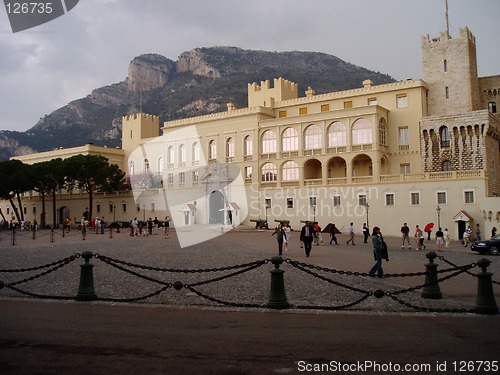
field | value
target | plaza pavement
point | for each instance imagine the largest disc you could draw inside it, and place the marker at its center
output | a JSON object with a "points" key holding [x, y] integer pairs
{"points": [[54, 337]]}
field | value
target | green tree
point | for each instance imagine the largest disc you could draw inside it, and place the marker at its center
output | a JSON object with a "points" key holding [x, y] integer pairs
{"points": [[93, 173], [15, 179], [49, 176]]}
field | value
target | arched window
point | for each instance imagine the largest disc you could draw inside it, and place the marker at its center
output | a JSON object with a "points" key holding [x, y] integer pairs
{"points": [[248, 145], [230, 148], [313, 138], [131, 168], [170, 155], [195, 152], [444, 134], [290, 171], [337, 135], [382, 132], [212, 149], [268, 142], [447, 166], [269, 172], [160, 165], [290, 140], [146, 165], [492, 107], [182, 154], [362, 132]]}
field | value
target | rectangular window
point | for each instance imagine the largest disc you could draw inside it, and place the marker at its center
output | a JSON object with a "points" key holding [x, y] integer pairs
{"points": [[124, 207], [248, 172], [404, 168], [401, 101], [389, 199], [282, 114], [404, 135], [441, 197], [325, 107], [362, 200], [152, 206], [289, 203], [196, 176], [415, 199], [348, 104], [303, 111], [372, 101], [312, 201], [111, 208], [447, 92], [98, 208], [469, 196], [182, 177], [138, 208], [336, 201], [170, 178]]}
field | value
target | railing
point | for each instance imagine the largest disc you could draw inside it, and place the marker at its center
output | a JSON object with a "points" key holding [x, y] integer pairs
{"points": [[344, 289]]}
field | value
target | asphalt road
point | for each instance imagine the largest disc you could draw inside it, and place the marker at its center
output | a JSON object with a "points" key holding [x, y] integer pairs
{"points": [[96, 338]]}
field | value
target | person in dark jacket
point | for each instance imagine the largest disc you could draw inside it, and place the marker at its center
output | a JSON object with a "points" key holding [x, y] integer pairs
{"points": [[307, 237], [378, 248], [280, 236]]}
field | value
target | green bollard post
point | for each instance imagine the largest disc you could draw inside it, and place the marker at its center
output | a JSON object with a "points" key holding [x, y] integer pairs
{"points": [[431, 289], [86, 290], [277, 297], [485, 299]]}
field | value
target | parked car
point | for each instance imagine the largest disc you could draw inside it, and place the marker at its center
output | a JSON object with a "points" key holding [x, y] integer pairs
{"points": [[491, 246]]}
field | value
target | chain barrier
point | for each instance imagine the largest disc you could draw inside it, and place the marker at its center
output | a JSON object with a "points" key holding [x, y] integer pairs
{"points": [[379, 294], [178, 285], [54, 267], [440, 257], [235, 270]]}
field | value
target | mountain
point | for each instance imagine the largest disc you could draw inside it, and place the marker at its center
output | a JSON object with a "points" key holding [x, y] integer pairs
{"points": [[201, 81]]}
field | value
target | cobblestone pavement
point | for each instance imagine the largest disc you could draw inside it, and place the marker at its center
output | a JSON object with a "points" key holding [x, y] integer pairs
{"points": [[328, 289]]}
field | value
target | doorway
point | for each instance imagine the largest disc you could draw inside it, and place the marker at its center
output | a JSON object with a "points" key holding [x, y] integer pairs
{"points": [[216, 207]]}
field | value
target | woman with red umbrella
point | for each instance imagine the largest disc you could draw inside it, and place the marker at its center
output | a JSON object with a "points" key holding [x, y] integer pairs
{"points": [[428, 230]]}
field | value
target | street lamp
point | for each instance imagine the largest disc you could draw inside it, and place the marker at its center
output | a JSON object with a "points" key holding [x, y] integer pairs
{"points": [[438, 210], [267, 205], [367, 206]]}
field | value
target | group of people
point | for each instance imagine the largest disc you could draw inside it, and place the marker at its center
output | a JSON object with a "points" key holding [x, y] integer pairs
{"points": [[149, 227], [442, 237]]}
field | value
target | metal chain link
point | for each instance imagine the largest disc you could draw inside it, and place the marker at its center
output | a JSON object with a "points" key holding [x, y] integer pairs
{"points": [[173, 270], [334, 307], [470, 273], [134, 299], [226, 303], [44, 266]]}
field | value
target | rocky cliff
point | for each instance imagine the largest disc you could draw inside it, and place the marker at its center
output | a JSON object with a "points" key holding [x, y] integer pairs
{"points": [[201, 81]]}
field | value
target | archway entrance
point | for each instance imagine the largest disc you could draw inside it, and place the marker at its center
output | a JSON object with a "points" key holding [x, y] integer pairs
{"points": [[216, 207], [63, 214]]}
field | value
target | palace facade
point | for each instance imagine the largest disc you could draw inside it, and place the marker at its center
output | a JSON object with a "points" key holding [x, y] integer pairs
{"points": [[417, 151]]}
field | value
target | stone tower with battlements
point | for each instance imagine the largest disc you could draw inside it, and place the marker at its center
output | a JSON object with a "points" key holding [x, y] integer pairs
{"points": [[136, 129]]}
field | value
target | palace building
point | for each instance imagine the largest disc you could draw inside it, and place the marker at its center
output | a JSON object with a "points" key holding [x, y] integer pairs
{"points": [[416, 151]]}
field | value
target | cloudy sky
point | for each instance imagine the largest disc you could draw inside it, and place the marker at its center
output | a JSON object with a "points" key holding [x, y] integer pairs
{"points": [[44, 68]]}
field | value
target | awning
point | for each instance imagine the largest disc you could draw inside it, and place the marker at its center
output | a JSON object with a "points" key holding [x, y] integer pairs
{"points": [[189, 207]]}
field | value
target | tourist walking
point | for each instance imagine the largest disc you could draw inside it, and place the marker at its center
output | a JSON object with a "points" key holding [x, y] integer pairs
{"points": [[466, 236], [366, 232], [307, 236], [405, 233], [446, 238], [317, 235], [288, 233], [167, 226], [350, 229], [378, 248], [439, 239], [420, 237], [478, 233], [280, 236], [333, 234]]}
